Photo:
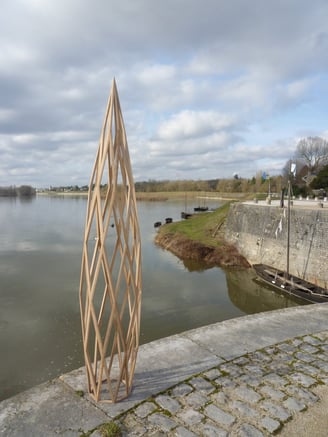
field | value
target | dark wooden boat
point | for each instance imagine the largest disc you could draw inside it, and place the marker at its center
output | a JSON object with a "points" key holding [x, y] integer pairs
{"points": [[291, 284], [201, 208]]}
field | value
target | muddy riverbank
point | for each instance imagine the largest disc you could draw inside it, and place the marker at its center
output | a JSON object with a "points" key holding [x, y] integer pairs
{"points": [[224, 255]]}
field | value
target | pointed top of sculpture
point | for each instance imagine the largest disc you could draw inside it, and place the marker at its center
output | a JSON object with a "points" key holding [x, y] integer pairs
{"points": [[114, 88], [114, 101]]}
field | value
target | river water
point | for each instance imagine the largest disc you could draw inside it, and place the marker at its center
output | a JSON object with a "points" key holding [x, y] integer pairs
{"points": [[40, 260]]}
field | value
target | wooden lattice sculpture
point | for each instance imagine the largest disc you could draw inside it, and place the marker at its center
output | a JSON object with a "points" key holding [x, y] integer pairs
{"points": [[110, 283]]}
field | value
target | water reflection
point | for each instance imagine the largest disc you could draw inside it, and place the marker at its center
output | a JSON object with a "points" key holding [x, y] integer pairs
{"points": [[252, 297], [195, 266]]}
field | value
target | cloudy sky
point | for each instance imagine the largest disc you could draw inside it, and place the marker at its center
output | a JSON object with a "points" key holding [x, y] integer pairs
{"points": [[208, 88]]}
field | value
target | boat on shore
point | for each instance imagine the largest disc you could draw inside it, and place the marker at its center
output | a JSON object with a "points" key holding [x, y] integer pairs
{"points": [[290, 284]]}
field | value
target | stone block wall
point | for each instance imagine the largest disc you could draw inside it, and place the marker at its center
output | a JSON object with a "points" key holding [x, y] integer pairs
{"points": [[260, 234]]}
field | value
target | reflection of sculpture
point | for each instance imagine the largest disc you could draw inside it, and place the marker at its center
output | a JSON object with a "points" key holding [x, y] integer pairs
{"points": [[110, 284]]}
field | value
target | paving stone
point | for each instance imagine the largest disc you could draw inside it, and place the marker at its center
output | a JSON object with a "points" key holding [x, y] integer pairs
{"points": [[322, 365], [134, 426], [202, 385], [168, 403], [220, 398], [296, 342], [244, 409], [306, 368], [323, 336], [275, 380], [247, 394], [209, 430], [253, 381], [280, 369], [156, 434], [183, 432], [240, 361], [181, 390], [283, 358], [322, 356], [261, 357], [270, 424], [304, 380], [287, 347], [163, 422], [305, 395], [196, 400], [295, 405], [253, 369], [303, 356], [145, 409], [276, 411], [226, 382], [219, 416], [309, 348], [190, 416], [231, 369], [135, 431], [273, 393], [247, 430], [212, 374], [270, 350], [312, 340]]}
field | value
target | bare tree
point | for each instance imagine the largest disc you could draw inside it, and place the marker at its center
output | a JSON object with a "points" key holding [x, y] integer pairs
{"points": [[314, 152]]}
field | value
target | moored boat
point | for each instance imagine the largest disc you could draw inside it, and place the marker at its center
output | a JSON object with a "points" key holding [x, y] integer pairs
{"points": [[290, 284], [185, 215], [201, 208]]}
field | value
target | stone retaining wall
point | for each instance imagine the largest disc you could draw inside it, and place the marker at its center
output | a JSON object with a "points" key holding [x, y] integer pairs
{"points": [[260, 234]]}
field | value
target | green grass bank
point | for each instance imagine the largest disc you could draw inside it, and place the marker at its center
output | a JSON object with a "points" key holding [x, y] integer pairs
{"points": [[201, 238]]}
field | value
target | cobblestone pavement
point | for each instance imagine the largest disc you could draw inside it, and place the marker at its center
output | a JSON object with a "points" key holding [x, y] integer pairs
{"points": [[253, 395]]}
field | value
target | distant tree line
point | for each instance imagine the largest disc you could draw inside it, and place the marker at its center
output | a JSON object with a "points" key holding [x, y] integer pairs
{"points": [[257, 184], [153, 186], [67, 188], [13, 191]]}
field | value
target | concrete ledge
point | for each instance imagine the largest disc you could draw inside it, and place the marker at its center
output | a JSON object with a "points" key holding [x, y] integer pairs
{"points": [[236, 337], [55, 408]]}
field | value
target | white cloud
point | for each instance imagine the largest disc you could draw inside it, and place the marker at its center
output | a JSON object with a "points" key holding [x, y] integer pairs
{"points": [[193, 124], [16, 56], [6, 114], [155, 74]]}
